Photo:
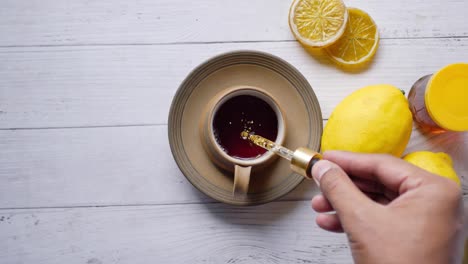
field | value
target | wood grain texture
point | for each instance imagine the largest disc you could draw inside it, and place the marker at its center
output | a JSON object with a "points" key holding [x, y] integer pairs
{"points": [[128, 166], [283, 232], [112, 193], [55, 22], [127, 85]]}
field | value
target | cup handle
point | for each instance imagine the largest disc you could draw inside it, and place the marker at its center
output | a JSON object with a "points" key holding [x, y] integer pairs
{"points": [[241, 180]]}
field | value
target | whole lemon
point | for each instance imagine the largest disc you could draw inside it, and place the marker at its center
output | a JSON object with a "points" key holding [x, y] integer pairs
{"points": [[438, 163], [373, 119]]}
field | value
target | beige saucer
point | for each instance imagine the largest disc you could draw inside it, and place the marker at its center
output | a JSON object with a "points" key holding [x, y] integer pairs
{"points": [[281, 80]]}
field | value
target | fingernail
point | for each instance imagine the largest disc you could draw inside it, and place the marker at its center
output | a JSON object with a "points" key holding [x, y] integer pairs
{"points": [[321, 168]]}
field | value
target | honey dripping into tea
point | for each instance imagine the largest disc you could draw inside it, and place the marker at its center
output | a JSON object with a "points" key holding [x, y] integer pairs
{"points": [[244, 112], [267, 144], [302, 159]]}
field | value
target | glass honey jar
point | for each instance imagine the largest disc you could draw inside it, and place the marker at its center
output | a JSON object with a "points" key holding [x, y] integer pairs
{"points": [[439, 101]]}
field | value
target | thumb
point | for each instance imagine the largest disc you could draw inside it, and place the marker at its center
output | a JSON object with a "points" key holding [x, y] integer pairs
{"points": [[338, 188]]}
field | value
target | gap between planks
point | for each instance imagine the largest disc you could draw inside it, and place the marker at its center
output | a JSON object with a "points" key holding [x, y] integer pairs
{"points": [[196, 42], [88, 127], [464, 197], [81, 127]]}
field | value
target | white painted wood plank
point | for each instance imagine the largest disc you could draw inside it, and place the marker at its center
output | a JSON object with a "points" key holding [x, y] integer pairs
{"points": [[95, 166], [121, 85], [55, 22], [282, 232], [127, 165]]}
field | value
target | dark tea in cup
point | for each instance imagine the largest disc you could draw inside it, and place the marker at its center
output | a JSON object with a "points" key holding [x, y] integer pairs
{"points": [[239, 113]]}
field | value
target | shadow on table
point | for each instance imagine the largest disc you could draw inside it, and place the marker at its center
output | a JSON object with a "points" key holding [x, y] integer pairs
{"points": [[268, 214], [321, 57], [260, 216]]}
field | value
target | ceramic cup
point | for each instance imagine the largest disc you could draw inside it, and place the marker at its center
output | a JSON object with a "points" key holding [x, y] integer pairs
{"points": [[240, 167]]}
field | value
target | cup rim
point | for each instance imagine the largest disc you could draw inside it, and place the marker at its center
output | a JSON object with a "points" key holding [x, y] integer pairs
{"points": [[261, 94]]}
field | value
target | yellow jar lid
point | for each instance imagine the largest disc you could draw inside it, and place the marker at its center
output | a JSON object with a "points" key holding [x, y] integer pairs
{"points": [[446, 97]]}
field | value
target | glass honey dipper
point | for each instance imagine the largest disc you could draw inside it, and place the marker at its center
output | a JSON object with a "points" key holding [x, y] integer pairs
{"points": [[302, 159]]}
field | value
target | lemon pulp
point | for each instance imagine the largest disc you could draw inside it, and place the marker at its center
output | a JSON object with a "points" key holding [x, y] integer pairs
{"points": [[359, 41], [318, 23]]}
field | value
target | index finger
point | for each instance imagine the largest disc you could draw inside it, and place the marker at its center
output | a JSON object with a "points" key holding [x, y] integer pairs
{"points": [[395, 174]]}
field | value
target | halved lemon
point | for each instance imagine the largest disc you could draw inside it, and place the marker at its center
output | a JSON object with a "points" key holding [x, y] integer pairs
{"points": [[318, 23], [359, 41]]}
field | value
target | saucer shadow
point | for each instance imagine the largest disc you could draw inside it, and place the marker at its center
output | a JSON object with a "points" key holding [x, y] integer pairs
{"points": [[259, 216], [268, 213]]}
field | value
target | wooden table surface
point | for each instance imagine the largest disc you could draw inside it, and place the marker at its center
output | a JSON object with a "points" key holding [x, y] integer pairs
{"points": [[86, 173]]}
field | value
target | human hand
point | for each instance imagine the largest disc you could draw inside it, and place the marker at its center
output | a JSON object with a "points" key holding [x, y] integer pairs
{"points": [[391, 210]]}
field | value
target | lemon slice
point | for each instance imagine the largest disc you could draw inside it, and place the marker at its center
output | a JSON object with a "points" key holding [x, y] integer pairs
{"points": [[359, 41], [318, 23]]}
